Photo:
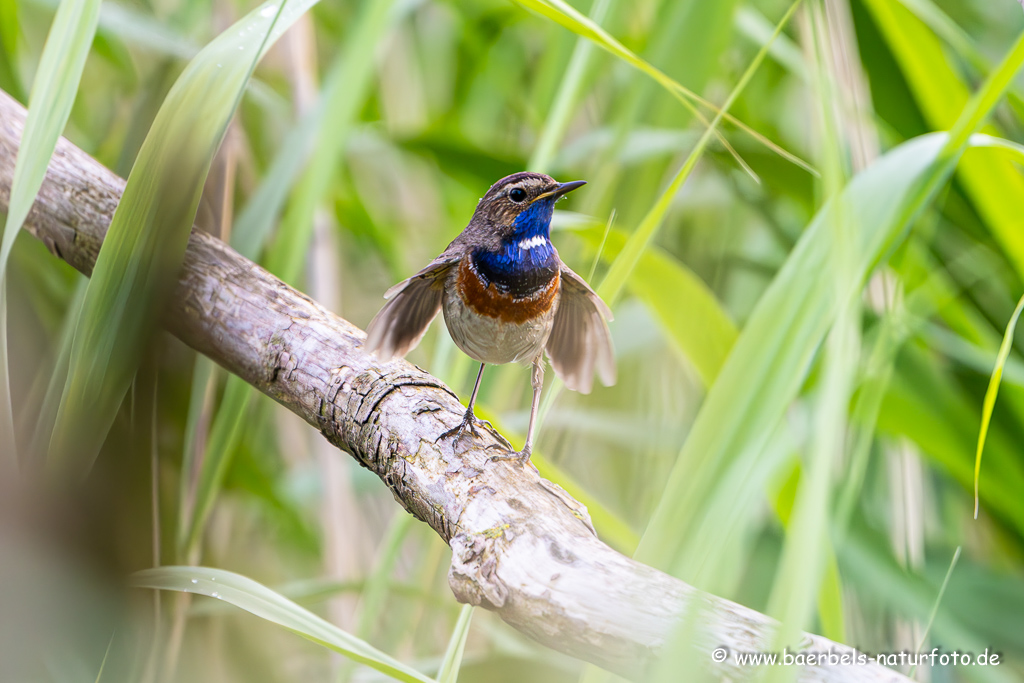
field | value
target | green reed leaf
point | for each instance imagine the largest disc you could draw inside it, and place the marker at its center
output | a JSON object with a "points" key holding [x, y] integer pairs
{"points": [[49, 106], [692, 317], [775, 350], [137, 29], [146, 241], [342, 96], [987, 178], [569, 92], [266, 604], [638, 242], [449, 672], [991, 393], [565, 15]]}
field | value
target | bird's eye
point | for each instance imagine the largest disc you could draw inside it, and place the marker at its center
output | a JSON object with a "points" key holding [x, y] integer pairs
{"points": [[517, 194]]}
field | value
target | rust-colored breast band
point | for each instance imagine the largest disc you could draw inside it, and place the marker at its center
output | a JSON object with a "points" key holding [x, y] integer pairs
{"points": [[489, 301]]}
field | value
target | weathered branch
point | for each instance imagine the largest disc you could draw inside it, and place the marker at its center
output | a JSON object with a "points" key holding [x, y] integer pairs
{"points": [[520, 545]]}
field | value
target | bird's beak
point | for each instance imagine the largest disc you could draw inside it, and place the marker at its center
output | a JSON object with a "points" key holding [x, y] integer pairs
{"points": [[560, 189]]}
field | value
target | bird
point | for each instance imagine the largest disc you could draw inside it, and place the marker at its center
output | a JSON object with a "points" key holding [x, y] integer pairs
{"points": [[506, 297]]}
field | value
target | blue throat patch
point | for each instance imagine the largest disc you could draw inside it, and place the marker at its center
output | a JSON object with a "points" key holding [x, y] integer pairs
{"points": [[527, 260]]}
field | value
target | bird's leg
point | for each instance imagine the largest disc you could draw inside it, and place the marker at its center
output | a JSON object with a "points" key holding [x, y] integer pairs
{"points": [[537, 379], [469, 416], [469, 419]]}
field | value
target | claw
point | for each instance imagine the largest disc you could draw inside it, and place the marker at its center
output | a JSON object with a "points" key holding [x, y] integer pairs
{"points": [[522, 457], [469, 422]]}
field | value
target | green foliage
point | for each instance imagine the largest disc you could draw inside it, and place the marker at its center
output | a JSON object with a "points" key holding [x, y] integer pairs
{"points": [[146, 241], [809, 227], [246, 594], [449, 672], [56, 84], [991, 393]]}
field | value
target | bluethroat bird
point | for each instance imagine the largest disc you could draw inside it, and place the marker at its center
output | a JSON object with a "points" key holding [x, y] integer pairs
{"points": [[507, 297]]}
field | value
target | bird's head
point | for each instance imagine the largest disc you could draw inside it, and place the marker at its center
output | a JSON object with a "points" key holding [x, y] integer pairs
{"points": [[520, 205]]}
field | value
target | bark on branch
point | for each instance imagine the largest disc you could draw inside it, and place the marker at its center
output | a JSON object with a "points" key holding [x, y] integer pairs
{"points": [[521, 546]]}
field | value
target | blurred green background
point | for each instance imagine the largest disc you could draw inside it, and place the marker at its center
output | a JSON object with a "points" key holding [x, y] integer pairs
{"points": [[830, 478]]}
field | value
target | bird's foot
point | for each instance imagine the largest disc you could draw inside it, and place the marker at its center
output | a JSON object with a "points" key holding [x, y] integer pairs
{"points": [[468, 424], [522, 457]]}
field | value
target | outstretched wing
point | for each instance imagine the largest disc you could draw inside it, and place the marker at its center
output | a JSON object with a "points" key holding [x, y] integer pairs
{"points": [[580, 340], [411, 305]]}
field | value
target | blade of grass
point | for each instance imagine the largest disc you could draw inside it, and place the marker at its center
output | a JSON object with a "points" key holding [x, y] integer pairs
{"points": [[328, 123], [901, 321], [345, 94], [557, 121], [148, 234], [872, 568], [806, 551], [637, 243], [565, 15], [922, 405], [259, 600], [689, 312], [375, 590], [830, 595], [991, 393], [49, 106], [943, 26], [941, 95], [9, 464], [961, 42], [342, 97], [698, 50], [773, 354], [971, 355], [1015, 150], [144, 31], [831, 612], [996, 497], [755, 26], [103, 663], [449, 672], [256, 221], [53, 93], [203, 374], [599, 253], [137, 29], [225, 434], [58, 375], [935, 606]]}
